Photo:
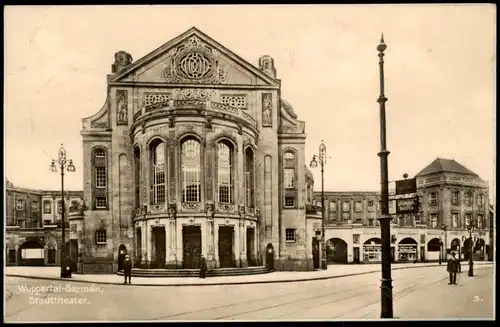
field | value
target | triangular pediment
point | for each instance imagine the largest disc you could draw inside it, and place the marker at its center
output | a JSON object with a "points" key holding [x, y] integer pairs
{"points": [[193, 58]]}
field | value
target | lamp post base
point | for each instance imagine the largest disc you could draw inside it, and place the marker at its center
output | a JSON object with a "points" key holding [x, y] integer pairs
{"points": [[471, 269], [324, 265]]}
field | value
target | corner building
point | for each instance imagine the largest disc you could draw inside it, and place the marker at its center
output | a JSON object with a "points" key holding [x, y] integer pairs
{"points": [[450, 197], [194, 152]]}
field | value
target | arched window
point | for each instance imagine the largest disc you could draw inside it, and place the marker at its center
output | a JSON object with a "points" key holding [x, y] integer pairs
{"points": [[289, 182], [224, 172], [158, 169], [100, 179], [137, 176], [249, 178], [190, 165]]}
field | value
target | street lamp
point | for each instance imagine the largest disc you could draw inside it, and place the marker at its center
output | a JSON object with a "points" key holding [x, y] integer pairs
{"points": [[440, 250], [385, 218], [470, 228], [445, 255], [321, 158], [62, 163]]}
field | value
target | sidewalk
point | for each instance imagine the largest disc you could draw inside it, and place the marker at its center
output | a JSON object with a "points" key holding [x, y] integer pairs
{"points": [[333, 271]]}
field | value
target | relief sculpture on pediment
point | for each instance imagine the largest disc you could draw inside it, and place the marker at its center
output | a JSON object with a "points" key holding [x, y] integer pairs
{"points": [[194, 62]]}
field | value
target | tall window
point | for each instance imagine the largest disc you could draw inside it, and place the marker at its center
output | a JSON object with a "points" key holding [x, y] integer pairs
{"points": [[158, 152], [480, 199], [249, 178], [468, 220], [137, 176], [345, 206], [434, 220], [468, 198], [190, 163], [224, 172], [100, 178], [433, 198], [289, 182], [358, 206], [333, 206], [454, 219], [479, 221], [47, 207]]}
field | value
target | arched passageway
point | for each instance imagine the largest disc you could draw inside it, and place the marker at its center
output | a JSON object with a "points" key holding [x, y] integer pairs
{"points": [[336, 251]]}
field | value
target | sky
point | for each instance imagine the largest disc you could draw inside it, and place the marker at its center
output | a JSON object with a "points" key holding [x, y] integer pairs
{"points": [[440, 68]]}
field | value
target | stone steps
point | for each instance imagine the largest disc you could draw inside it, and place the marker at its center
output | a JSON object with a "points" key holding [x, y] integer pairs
{"points": [[139, 272]]}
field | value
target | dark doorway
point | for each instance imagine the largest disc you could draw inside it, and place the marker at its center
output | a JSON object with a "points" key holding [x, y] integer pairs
{"points": [[191, 245], [422, 253], [226, 236], [251, 246], [355, 254], [51, 256], [31, 253], [393, 251], [160, 247], [122, 251], [73, 254], [467, 248], [315, 253], [270, 256], [138, 247], [336, 251]]}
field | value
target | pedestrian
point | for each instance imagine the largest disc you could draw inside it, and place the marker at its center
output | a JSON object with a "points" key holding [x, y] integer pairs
{"points": [[203, 266], [453, 267], [127, 269]]}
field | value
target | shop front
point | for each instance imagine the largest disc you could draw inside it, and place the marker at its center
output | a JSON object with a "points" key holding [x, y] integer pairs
{"points": [[372, 250], [407, 250]]}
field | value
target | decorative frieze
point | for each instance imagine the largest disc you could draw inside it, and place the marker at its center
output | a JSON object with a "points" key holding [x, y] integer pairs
{"points": [[99, 124], [156, 97], [190, 205], [194, 62], [236, 101]]}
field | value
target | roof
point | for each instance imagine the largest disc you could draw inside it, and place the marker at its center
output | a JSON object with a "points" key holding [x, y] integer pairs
{"points": [[441, 165]]}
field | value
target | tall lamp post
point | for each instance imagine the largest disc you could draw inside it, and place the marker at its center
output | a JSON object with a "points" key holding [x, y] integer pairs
{"points": [[470, 228], [321, 158], [63, 164], [445, 247], [385, 218]]}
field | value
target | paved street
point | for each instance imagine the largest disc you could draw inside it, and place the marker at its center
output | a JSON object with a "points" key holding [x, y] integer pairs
{"points": [[419, 293]]}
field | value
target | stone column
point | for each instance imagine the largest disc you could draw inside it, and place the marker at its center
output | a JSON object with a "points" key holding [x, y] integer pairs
{"points": [[216, 244], [243, 254], [172, 244], [143, 242], [149, 231], [237, 243]]}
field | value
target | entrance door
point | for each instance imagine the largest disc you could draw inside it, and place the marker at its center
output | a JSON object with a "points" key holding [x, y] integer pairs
{"points": [[355, 253], [250, 246], [160, 247], [191, 245], [226, 235], [315, 246]]}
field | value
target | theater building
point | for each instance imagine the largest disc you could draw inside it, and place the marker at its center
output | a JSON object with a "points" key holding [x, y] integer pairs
{"points": [[194, 152], [449, 197], [33, 225]]}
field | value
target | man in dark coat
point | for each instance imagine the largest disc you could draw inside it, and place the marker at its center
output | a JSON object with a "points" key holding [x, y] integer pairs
{"points": [[453, 268], [127, 269], [203, 266]]}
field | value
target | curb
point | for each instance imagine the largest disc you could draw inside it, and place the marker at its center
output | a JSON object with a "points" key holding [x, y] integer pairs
{"points": [[228, 283]]}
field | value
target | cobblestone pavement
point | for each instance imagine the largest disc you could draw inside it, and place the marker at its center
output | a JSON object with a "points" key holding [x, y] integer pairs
{"points": [[420, 293]]}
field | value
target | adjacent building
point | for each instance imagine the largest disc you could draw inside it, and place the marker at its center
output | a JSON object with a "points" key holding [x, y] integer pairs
{"points": [[450, 197], [33, 224], [194, 152]]}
